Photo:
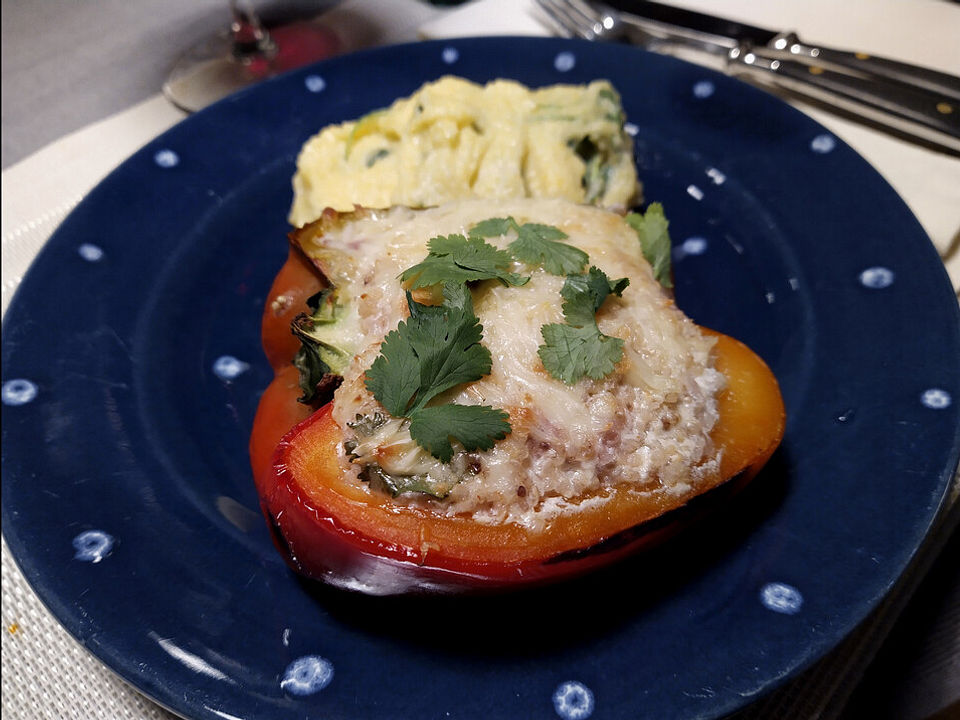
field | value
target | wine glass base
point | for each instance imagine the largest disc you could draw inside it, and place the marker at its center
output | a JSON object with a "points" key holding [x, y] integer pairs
{"points": [[209, 72]]}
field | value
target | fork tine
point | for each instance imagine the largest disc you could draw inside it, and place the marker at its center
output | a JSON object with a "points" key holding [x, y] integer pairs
{"points": [[583, 9], [571, 17], [556, 21]]}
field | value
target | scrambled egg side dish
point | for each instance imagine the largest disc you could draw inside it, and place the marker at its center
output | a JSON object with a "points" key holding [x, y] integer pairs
{"points": [[456, 139]]}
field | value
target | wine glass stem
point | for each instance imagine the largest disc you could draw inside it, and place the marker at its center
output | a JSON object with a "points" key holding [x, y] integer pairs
{"points": [[249, 38]]}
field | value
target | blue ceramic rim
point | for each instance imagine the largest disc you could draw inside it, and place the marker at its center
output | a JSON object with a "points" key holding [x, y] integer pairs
{"points": [[48, 593]]}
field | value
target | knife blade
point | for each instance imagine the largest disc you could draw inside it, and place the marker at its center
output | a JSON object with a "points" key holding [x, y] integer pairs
{"points": [[785, 44], [700, 22], [909, 110]]}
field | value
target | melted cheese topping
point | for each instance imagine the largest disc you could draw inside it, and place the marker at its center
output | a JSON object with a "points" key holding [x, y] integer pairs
{"points": [[455, 139], [646, 425]]}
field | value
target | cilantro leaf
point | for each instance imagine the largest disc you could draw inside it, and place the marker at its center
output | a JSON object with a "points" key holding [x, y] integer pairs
{"points": [[432, 351], [435, 349], [536, 244], [449, 352], [578, 349], [457, 295], [493, 227], [570, 353], [455, 258], [394, 377], [584, 294], [476, 427], [651, 228]]}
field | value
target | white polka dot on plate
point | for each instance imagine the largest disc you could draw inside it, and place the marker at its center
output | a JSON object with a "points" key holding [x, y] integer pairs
{"points": [[564, 62], [781, 598], [703, 89], [450, 55], [718, 177], [90, 252], [877, 278], [92, 546], [823, 143], [573, 701], [936, 399], [166, 158], [694, 246], [228, 367], [695, 192], [631, 129], [307, 675], [18, 392], [314, 83]]}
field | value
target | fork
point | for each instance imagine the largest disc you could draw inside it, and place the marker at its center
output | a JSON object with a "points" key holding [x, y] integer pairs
{"points": [[578, 18], [595, 21], [591, 21], [906, 110]]}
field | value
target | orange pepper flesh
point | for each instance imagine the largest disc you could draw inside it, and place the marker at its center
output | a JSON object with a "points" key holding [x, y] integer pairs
{"points": [[332, 526], [293, 285]]}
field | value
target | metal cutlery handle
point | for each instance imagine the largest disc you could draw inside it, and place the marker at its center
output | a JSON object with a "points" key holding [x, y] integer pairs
{"points": [[789, 45], [914, 111]]}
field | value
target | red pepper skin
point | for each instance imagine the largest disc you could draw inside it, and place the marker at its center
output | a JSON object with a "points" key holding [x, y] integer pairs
{"points": [[317, 545], [296, 281], [333, 529]]}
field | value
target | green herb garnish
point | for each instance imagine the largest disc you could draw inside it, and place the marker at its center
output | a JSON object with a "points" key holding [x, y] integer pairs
{"points": [[376, 156], [536, 244], [434, 350], [651, 228], [416, 476], [474, 426], [578, 349], [457, 259]]}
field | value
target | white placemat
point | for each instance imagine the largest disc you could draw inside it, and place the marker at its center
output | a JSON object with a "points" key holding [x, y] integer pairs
{"points": [[46, 674]]}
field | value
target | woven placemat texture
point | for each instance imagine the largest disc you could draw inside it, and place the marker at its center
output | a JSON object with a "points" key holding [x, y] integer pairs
{"points": [[47, 675]]}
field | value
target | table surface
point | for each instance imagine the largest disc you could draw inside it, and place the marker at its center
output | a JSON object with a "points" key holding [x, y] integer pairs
{"points": [[67, 64]]}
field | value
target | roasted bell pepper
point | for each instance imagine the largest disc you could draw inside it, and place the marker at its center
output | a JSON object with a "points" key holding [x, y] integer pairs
{"points": [[329, 528]]}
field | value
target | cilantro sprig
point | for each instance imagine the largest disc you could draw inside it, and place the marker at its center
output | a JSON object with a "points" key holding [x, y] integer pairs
{"points": [[578, 349], [536, 244], [651, 228], [437, 348], [476, 427], [458, 259]]}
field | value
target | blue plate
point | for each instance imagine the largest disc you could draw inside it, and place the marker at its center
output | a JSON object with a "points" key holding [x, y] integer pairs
{"points": [[132, 367]]}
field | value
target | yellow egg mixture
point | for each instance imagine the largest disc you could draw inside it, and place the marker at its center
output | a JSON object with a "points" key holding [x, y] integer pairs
{"points": [[456, 139]]}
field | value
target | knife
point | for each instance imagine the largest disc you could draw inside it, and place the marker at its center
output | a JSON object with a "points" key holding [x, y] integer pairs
{"points": [[915, 102], [788, 45]]}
